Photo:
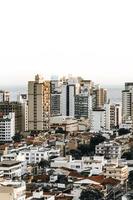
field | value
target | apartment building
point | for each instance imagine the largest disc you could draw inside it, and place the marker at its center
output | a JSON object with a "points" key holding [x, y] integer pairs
{"points": [[7, 127], [109, 150], [10, 168], [36, 154], [4, 96], [23, 99], [39, 104], [116, 171], [13, 107], [98, 120], [12, 190]]}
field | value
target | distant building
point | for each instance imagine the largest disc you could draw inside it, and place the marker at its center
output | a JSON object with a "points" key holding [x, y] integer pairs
{"points": [[4, 96], [68, 124], [7, 127], [68, 99], [98, 122], [113, 115], [38, 104], [99, 97], [22, 98], [13, 107]]}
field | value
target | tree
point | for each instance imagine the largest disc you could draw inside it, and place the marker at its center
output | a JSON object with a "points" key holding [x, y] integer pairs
{"points": [[91, 194], [76, 153], [43, 163], [123, 131], [130, 179], [89, 149], [17, 137]]}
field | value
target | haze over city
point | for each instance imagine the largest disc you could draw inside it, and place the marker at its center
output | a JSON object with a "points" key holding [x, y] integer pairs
{"points": [[93, 39]]}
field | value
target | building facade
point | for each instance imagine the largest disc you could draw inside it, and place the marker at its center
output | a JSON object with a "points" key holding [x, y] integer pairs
{"points": [[7, 127], [38, 104]]}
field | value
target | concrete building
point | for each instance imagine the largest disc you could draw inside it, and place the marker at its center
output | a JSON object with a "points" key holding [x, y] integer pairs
{"points": [[10, 190], [68, 92], [83, 106], [109, 150], [126, 105], [36, 154], [13, 107], [7, 127], [4, 96], [39, 104], [113, 115], [68, 124], [55, 97], [55, 104], [98, 120], [93, 165], [99, 97], [10, 168], [22, 98], [127, 101], [16, 157], [116, 171]]}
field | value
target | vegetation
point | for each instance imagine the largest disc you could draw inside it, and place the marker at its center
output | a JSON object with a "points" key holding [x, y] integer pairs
{"points": [[17, 137], [91, 194], [123, 131]]}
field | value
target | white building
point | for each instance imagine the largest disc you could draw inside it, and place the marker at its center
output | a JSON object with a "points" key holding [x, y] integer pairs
{"points": [[36, 154], [92, 164], [11, 168], [12, 190], [16, 157], [22, 98], [7, 127], [98, 120], [109, 150]]}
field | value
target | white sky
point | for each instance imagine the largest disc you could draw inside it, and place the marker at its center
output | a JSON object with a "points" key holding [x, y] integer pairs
{"points": [[91, 38]]}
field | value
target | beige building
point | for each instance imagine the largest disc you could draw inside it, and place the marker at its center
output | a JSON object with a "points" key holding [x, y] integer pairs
{"points": [[12, 190], [99, 97], [115, 171], [39, 104]]}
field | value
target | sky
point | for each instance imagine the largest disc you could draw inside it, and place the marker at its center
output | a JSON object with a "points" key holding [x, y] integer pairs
{"points": [[88, 38]]}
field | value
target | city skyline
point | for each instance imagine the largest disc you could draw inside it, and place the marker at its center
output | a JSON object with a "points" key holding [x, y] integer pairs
{"points": [[92, 39]]}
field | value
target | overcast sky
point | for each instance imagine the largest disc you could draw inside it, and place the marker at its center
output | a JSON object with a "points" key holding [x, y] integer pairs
{"points": [[90, 38]]}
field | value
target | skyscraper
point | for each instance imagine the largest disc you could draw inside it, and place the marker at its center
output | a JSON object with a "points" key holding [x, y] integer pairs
{"points": [[38, 104], [127, 99]]}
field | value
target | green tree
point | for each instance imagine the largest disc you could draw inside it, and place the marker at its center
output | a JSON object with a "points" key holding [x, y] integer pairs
{"points": [[91, 194]]}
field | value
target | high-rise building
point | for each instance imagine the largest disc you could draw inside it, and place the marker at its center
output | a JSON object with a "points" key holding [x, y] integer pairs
{"points": [[98, 120], [4, 96], [68, 99], [127, 96], [99, 97], [7, 127], [38, 104], [113, 115], [13, 107], [55, 98], [22, 98]]}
